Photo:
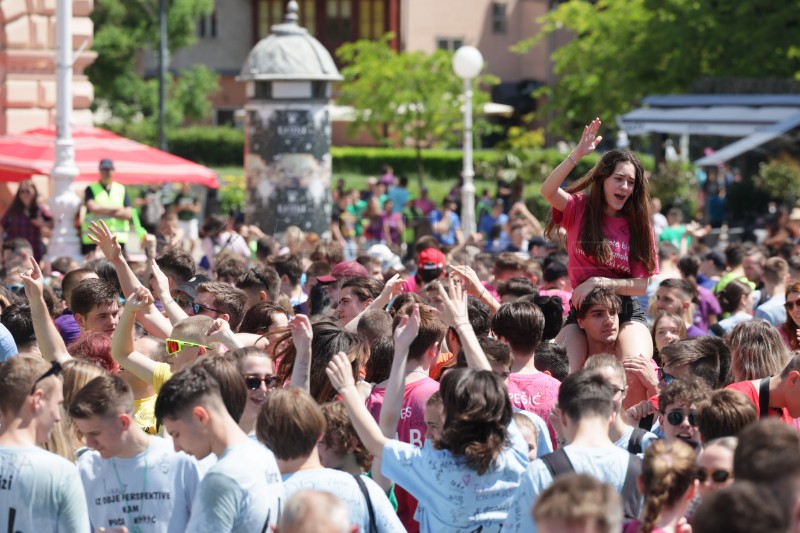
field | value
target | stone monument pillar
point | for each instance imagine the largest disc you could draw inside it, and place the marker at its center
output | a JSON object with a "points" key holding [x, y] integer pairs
{"points": [[288, 132]]}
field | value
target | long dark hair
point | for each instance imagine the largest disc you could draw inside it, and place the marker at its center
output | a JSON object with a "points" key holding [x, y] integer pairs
{"points": [[636, 211], [789, 327], [477, 412], [18, 207]]}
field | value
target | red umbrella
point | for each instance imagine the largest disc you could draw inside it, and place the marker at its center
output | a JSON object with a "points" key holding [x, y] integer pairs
{"points": [[33, 152]]}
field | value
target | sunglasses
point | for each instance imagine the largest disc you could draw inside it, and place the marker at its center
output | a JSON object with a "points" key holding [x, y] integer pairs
{"points": [[254, 382], [199, 307], [791, 305], [676, 418], [174, 346], [717, 476], [55, 369], [666, 378]]}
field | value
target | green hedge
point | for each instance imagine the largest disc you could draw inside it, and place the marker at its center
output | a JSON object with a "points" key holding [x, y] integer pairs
{"points": [[212, 146]]}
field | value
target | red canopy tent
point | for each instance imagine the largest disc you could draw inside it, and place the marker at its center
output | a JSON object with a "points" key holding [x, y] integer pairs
{"points": [[33, 152]]}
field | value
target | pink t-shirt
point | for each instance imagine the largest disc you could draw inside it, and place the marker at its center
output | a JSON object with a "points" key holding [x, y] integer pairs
{"points": [[537, 393], [617, 233], [565, 296], [411, 427]]}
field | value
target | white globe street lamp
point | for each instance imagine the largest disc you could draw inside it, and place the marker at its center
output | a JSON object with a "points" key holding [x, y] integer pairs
{"points": [[467, 64]]}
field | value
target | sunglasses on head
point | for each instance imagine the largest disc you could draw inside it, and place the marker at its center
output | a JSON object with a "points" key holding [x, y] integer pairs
{"points": [[791, 305], [717, 476], [253, 382], [676, 418], [54, 370], [174, 346], [197, 308]]}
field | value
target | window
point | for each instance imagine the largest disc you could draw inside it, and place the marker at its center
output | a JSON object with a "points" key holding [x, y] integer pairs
{"points": [[499, 21], [338, 20], [449, 45], [371, 19], [225, 117], [270, 12], [207, 26]]}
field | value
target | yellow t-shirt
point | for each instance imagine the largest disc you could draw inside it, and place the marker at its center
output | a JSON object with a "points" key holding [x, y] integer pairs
{"points": [[144, 413], [161, 375]]}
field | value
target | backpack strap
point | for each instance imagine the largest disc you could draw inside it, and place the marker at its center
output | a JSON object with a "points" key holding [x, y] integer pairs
{"points": [[631, 498], [763, 398], [558, 463], [373, 528], [635, 444]]}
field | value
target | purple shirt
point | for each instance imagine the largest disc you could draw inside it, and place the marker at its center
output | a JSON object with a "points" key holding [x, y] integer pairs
{"points": [[693, 331], [69, 329], [707, 305]]}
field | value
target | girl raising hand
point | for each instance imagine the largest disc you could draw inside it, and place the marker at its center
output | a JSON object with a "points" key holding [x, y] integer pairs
{"points": [[605, 216]]}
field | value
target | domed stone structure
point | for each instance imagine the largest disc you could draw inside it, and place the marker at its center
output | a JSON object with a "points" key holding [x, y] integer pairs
{"points": [[287, 153]]}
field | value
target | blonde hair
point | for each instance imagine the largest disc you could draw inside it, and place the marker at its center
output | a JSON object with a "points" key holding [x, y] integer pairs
{"points": [[668, 472], [757, 350], [194, 329], [65, 437]]}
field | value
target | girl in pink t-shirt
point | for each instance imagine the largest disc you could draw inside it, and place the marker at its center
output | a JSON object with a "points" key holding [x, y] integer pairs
{"points": [[609, 240]]}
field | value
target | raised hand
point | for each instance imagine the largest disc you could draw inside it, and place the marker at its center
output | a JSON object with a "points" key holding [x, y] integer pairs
{"points": [[392, 288], [454, 313], [589, 139], [302, 334], [406, 331], [161, 281], [105, 240], [470, 277], [33, 281], [219, 331], [340, 372], [140, 300]]}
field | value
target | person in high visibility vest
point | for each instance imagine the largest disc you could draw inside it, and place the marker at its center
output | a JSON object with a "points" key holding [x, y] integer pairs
{"points": [[110, 202]]}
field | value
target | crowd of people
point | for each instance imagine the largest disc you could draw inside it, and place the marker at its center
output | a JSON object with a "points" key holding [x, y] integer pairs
{"points": [[603, 372]]}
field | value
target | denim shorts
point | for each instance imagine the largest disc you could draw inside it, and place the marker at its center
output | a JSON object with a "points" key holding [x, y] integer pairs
{"points": [[631, 312]]}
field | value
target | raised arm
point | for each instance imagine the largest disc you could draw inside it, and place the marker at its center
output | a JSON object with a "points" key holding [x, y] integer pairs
{"points": [[455, 315], [51, 344], [404, 334], [122, 349], [474, 286], [551, 188], [302, 334], [174, 311], [151, 318], [341, 375]]}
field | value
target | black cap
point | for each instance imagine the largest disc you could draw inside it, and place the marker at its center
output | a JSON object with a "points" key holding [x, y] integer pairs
{"points": [[106, 164], [190, 287]]}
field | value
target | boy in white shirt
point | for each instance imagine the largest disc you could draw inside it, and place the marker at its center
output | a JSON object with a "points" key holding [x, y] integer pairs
{"points": [[243, 491], [39, 491], [131, 479]]}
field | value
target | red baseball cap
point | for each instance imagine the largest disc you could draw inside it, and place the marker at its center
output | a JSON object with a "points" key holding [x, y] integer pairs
{"points": [[430, 259], [343, 271]]}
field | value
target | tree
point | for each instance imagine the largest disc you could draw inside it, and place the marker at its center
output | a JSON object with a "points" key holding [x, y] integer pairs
{"points": [[124, 30], [623, 50], [407, 97]]}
